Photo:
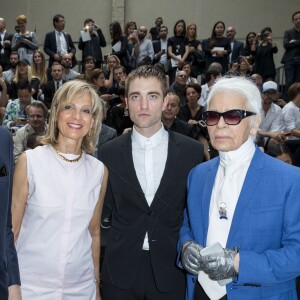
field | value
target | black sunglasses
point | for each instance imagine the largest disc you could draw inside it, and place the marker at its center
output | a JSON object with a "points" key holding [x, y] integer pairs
{"points": [[231, 117]]}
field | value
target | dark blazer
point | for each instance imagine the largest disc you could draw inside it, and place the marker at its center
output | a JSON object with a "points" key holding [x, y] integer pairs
{"points": [[291, 49], [237, 51], [132, 217], [50, 47], [49, 91], [157, 48], [4, 58], [9, 269], [182, 127]]}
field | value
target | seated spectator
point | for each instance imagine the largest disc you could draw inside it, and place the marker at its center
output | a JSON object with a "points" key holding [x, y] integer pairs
{"points": [[118, 117], [240, 68], [213, 73], [13, 61], [281, 152], [3, 96], [33, 141], [191, 113], [54, 84], [89, 66], [178, 87], [187, 68], [37, 115], [23, 72], [257, 79], [15, 112], [24, 41], [291, 113], [171, 121], [68, 72], [272, 123], [93, 46], [98, 80]]}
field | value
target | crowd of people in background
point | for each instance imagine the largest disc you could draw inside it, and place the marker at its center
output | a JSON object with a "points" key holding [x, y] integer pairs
{"points": [[34, 82]]}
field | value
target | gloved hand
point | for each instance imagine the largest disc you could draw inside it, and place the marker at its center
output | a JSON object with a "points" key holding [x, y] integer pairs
{"points": [[219, 266], [191, 257]]}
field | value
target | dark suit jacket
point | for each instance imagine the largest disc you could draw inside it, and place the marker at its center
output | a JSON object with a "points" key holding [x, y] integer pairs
{"points": [[237, 51], [132, 217], [50, 47], [183, 128], [4, 58], [49, 91], [291, 49], [9, 270]]}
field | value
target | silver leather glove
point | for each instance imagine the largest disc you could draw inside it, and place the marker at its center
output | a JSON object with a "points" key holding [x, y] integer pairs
{"points": [[191, 257], [219, 266]]}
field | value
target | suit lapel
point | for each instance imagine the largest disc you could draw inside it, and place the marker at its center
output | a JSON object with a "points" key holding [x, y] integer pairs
{"points": [[208, 187], [127, 160], [250, 185]]}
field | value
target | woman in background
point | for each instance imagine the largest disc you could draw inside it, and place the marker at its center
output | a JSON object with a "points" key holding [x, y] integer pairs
{"points": [[264, 55], [24, 41], [39, 69], [217, 47]]}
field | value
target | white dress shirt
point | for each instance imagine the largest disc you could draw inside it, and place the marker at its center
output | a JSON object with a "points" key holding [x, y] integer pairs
{"points": [[149, 160], [234, 165], [291, 115], [61, 43]]}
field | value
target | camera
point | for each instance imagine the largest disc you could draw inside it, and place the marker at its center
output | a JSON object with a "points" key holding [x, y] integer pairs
{"points": [[263, 36], [17, 29]]}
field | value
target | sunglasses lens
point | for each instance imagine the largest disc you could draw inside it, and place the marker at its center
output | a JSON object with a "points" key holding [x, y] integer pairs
{"points": [[232, 117], [211, 118]]}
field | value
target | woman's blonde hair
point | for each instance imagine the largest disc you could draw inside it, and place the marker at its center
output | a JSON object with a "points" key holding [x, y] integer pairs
{"points": [[17, 77], [21, 18], [39, 71], [69, 91]]}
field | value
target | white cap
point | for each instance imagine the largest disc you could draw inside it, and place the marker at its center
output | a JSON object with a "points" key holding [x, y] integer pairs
{"points": [[268, 86]]}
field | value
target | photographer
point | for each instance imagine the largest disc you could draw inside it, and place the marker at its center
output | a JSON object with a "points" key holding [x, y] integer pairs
{"points": [[92, 47], [24, 41], [264, 55]]}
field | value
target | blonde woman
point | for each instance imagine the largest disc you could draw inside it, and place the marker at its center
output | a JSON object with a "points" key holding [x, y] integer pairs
{"points": [[58, 195], [24, 72]]}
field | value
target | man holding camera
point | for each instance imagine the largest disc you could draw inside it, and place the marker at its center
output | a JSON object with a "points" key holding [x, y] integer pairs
{"points": [[92, 47]]}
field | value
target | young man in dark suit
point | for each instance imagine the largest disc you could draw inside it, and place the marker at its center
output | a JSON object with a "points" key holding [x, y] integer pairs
{"points": [[58, 42], [147, 190], [9, 270]]}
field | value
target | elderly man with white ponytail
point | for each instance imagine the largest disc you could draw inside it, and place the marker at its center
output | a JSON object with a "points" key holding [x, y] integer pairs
{"points": [[241, 234]]}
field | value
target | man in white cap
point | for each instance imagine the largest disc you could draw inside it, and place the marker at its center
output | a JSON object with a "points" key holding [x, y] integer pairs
{"points": [[272, 123]]}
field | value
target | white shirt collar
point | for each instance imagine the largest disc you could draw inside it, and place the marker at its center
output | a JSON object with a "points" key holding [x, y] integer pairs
{"points": [[155, 139], [244, 153]]}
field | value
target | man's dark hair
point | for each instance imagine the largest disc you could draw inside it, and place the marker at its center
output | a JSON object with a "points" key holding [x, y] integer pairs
{"points": [[147, 72], [24, 85], [195, 86], [88, 20], [294, 14], [164, 26], [56, 18]]}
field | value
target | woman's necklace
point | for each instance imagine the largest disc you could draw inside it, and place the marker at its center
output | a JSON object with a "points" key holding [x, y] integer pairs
{"points": [[66, 159]]}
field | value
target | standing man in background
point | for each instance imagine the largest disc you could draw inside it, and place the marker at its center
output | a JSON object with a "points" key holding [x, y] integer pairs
{"points": [[291, 57], [58, 42]]}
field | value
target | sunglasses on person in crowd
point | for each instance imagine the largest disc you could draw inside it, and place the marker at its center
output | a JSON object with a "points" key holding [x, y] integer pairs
{"points": [[231, 117]]}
